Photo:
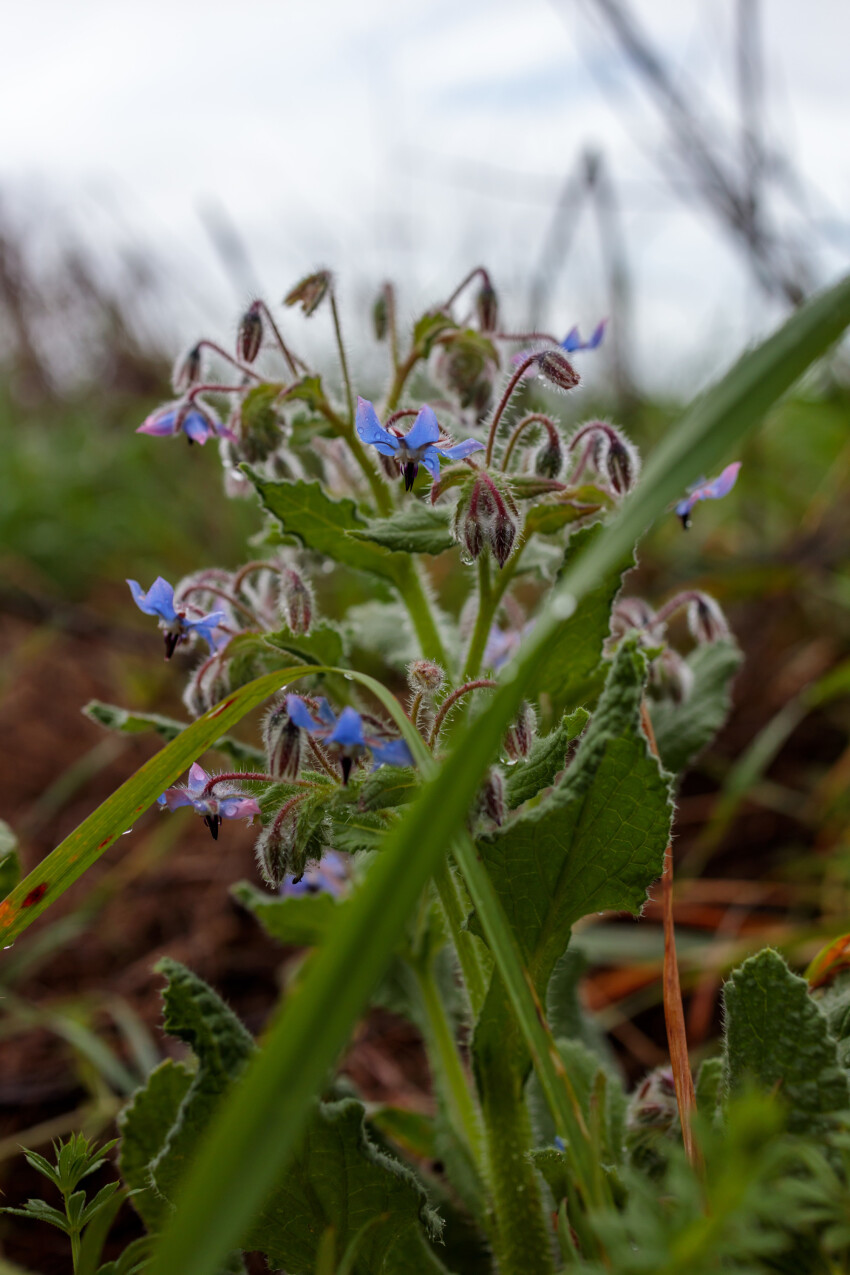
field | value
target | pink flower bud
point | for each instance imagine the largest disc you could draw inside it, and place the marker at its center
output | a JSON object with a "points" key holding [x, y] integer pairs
{"points": [[491, 798], [187, 370], [284, 742], [424, 677], [249, 338], [275, 846]]}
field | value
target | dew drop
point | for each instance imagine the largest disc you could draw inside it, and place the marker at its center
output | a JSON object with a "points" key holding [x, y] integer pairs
{"points": [[562, 606], [467, 559], [8, 947], [127, 833]]}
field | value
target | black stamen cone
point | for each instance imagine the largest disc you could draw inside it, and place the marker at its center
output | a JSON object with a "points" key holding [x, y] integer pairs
{"points": [[685, 520], [346, 764], [411, 469], [171, 640], [213, 822]]}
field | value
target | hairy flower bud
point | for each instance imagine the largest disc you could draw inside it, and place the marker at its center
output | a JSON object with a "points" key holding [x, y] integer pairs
{"points": [[628, 614], [549, 460], [381, 315], [284, 742], [310, 291], [491, 798], [670, 677], [622, 464], [520, 734], [249, 337], [424, 677], [706, 621], [208, 685], [275, 846], [187, 370], [487, 307], [296, 600], [651, 1116], [487, 515], [558, 370]]}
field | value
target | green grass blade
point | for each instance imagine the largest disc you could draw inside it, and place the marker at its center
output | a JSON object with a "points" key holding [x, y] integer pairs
{"points": [[261, 1120], [72, 857]]}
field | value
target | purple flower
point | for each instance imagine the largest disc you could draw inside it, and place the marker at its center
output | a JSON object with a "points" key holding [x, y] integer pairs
{"points": [[422, 445], [176, 627], [198, 422], [720, 486], [346, 736], [329, 876], [213, 801]]}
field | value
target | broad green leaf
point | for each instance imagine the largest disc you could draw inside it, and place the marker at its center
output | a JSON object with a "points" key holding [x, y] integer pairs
{"points": [[387, 787], [547, 758], [429, 327], [255, 1133], [301, 921], [308, 515], [597, 840], [567, 1016], [130, 723], [417, 527], [569, 672], [308, 390], [835, 1003], [778, 1037], [119, 812], [709, 1087], [261, 431], [682, 731], [322, 645], [338, 1178], [144, 1125], [550, 517]]}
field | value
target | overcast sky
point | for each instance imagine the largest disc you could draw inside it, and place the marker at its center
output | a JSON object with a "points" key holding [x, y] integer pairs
{"points": [[411, 137]]}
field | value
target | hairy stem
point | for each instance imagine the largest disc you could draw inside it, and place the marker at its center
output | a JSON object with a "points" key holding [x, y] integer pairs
{"points": [[503, 402], [414, 595], [342, 358], [455, 908]]}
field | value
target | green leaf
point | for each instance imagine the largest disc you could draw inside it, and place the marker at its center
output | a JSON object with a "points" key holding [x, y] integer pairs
{"points": [[322, 645], [338, 1177], [255, 1133], [308, 390], [709, 1087], [777, 1037], [308, 515], [580, 850], [428, 328], [144, 1125], [417, 528], [130, 723], [603, 1104], [387, 787], [546, 759], [10, 862], [567, 1016], [41, 1212], [835, 1003], [682, 731], [261, 431], [550, 517], [302, 921], [569, 672]]}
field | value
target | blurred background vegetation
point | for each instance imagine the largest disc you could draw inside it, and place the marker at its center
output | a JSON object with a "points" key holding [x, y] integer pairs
{"points": [[763, 827]]}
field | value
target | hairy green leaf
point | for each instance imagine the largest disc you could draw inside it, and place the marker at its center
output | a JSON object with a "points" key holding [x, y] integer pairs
{"points": [[778, 1038], [302, 921], [130, 723], [547, 758], [144, 1125], [683, 730], [416, 528]]}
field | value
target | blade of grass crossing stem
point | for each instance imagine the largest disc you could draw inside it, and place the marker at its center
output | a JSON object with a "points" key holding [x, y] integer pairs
{"points": [[84, 846], [257, 1128]]}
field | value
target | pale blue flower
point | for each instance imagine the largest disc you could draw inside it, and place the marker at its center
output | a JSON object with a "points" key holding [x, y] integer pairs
{"points": [[177, 627], [422, 445]]}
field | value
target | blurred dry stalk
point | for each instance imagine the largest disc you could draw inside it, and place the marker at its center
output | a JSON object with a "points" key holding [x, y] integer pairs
{"points": [[73, 317]]}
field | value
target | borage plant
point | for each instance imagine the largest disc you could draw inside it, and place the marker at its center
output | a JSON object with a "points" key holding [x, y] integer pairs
{"points": [[436, 843]]}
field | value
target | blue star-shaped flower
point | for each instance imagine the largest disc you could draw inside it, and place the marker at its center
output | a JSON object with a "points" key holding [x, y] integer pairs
{"points": [[197, 422], [223, 801], [572, 341], [713, 490], [422, 445], [176, 626], [346, 735]]}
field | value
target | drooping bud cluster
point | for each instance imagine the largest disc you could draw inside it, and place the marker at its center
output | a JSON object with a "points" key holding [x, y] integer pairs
{"points": [[296, 600], [520, 734], [249, 337], [487, 517], [310, 291], [467, 365]]}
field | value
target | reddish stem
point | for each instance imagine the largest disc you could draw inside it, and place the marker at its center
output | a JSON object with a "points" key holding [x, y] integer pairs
{"points": [[479, 270], [503, 402], [220, 593], [481, 683], [524, 423], [211, 345], [244, 775]]}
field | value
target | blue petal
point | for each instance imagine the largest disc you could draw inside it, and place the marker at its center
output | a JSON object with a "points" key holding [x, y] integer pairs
{"points": [[197, 778], [572, 341], [371, 431], [425, 430], [461, 450], [300, 714], [197, 427], [348, 732], [430, 458], [159, 599], [394, 753], [326, 713]]}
